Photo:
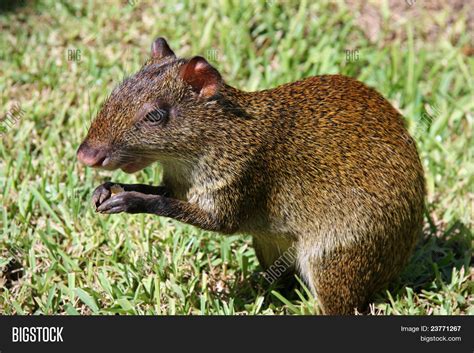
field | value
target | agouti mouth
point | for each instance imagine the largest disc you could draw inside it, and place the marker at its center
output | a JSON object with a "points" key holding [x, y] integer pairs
{"points": [[135, 166], [106, 164], [103, 157]]}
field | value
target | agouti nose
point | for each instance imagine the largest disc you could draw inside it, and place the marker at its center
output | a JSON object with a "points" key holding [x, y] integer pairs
{"points": [[90, 156]]}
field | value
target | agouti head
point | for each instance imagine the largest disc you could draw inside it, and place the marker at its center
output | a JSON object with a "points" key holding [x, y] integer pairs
{"points": [[162, 112]]}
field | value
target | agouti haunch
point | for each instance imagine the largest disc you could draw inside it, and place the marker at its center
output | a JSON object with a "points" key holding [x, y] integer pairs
{"points": [[323, 166]]}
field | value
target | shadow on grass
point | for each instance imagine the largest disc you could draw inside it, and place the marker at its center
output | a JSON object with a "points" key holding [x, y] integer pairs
{"points": [[11, 5], [439, 251], [246, 291]]}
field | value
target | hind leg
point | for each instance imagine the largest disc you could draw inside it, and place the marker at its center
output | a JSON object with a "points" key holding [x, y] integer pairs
{"points": [[344, 279]]}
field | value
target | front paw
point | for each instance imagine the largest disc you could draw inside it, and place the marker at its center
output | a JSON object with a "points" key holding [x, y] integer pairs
{"points": [[101, 193], [104, 191], [128, 201]]}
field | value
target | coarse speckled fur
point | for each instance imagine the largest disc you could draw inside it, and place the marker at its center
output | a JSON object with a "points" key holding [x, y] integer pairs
{"points": [[324, 164]]}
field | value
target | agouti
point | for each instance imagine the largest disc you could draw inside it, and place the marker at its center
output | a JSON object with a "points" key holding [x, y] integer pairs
{"points": [[323, 167]]}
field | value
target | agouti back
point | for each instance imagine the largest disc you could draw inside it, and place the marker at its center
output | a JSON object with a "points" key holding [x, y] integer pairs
{"points": [[322, 167]]}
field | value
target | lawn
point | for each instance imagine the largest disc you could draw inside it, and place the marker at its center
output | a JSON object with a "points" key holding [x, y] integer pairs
{"points": [[60, 59]]}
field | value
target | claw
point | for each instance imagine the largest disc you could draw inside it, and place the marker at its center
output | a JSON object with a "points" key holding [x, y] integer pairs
{"points": [[101, 193], [105, 195], [115, 203]]}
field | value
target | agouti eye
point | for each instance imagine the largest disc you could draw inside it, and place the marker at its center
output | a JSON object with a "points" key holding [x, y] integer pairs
{"points": [[156, 116]]}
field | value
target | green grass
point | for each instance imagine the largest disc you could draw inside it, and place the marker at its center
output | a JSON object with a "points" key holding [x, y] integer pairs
{"points": [[59, 256]]}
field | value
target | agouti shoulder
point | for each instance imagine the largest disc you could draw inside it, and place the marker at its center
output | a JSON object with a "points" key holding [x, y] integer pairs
{"points": [[321, 172]]}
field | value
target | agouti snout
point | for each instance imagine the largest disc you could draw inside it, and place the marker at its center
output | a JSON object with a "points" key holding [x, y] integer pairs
{"points": [[322, 168]]}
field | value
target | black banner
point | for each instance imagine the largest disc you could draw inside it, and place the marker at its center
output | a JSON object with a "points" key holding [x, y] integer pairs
{"points": [[290, 334]]}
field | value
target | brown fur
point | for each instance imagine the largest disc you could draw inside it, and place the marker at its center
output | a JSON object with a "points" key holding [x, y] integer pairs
{"points": [[324, 164]]}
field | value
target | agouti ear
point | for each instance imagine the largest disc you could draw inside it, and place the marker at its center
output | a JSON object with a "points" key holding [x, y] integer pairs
{"points": [[160, 49], [201, 76]]}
